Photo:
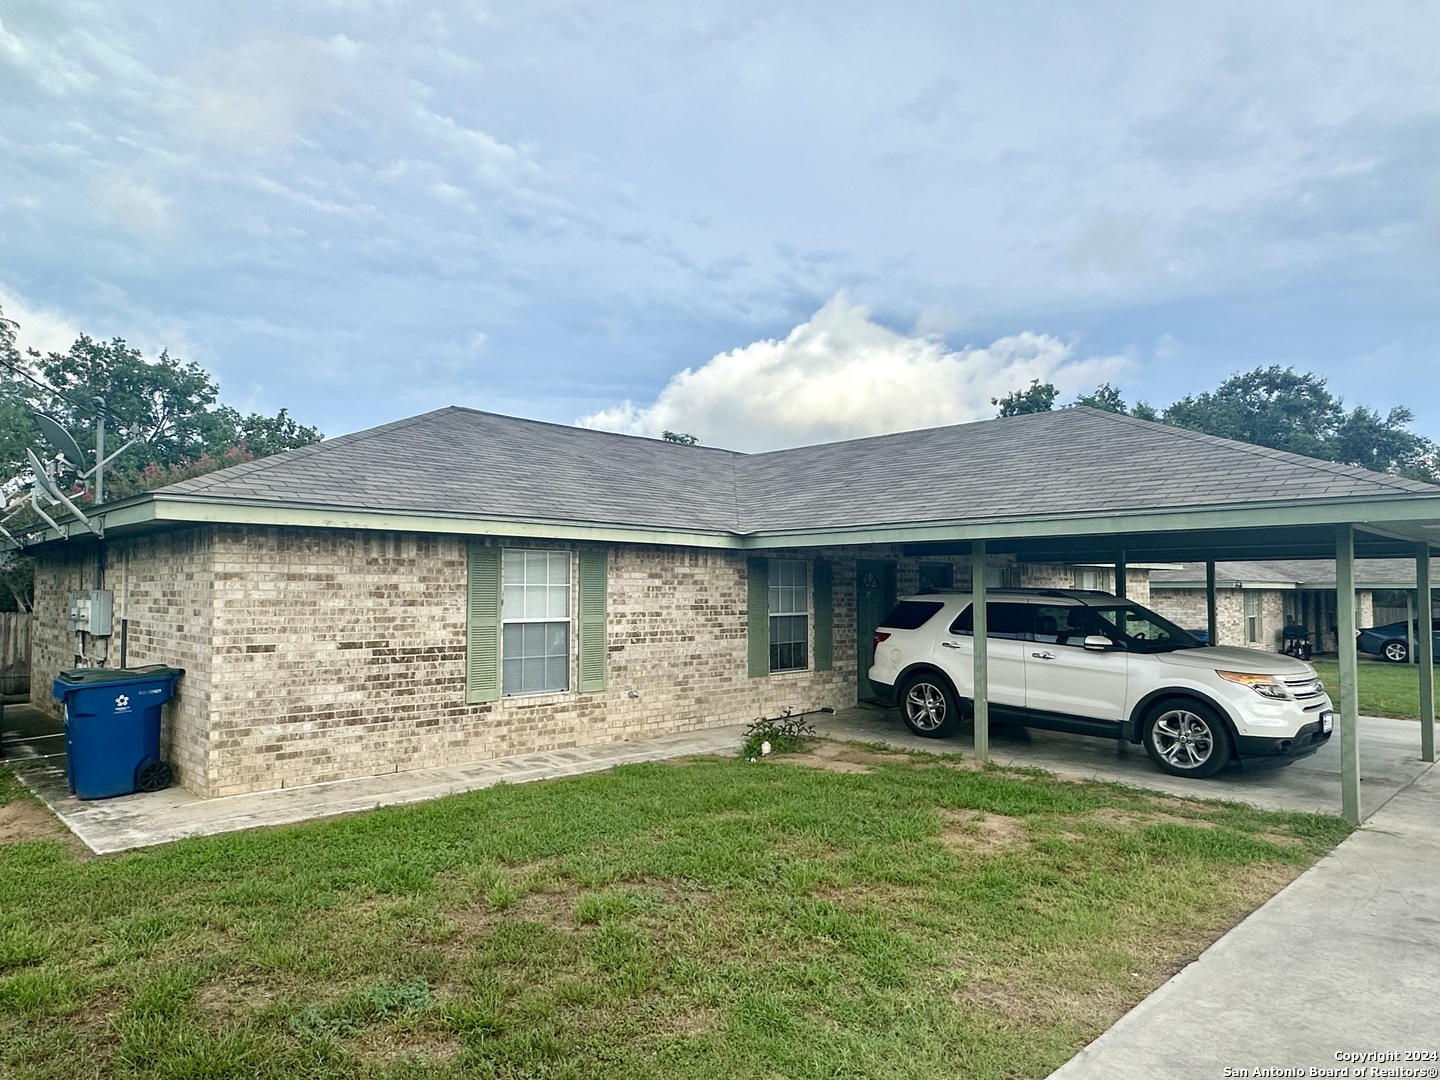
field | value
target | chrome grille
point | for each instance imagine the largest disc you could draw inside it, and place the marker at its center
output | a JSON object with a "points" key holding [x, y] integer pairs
{"points": [[1305, 687]]}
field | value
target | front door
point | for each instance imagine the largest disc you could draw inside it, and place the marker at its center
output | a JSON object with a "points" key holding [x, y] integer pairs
{"points": [[874, 597]]}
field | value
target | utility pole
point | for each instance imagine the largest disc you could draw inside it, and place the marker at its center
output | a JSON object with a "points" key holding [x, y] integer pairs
{"points": [[99, 451]]}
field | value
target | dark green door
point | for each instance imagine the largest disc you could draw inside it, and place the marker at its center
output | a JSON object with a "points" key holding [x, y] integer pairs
{"points": [[874, 597]]}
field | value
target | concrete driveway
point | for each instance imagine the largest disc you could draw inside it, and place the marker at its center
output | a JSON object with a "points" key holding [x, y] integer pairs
{"points": [[1389, 761]]}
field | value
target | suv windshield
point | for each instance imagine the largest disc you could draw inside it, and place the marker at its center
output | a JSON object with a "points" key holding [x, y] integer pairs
{"points": [[1138, 629]]}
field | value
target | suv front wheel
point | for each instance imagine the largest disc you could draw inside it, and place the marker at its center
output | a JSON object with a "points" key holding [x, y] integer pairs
{"points": [[931, 709], [1186, 738]]}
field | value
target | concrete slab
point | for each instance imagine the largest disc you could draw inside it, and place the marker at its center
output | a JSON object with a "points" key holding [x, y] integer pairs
{"points": [[107, 826], [26, 733], [1343, 961], [1389, 760]]}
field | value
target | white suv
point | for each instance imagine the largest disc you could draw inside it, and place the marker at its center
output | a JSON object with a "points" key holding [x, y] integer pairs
{"points": [[1093, 664]]}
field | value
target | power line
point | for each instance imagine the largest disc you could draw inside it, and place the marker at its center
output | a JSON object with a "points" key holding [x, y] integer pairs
{"points": [[79, 404]]}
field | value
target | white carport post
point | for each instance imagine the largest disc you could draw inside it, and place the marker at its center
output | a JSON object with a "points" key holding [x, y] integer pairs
{"points": [[981, 624], [1426, 652], [1349, 671]]}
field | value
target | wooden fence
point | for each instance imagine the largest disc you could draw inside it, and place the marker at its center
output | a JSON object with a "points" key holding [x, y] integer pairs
{"points": [[14, 653]]}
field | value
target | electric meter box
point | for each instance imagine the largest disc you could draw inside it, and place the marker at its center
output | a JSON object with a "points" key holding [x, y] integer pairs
{"points": [[92, 612]]}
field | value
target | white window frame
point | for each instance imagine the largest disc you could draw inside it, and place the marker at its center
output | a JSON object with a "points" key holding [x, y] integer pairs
{"points": [[807, 613], [507, 619], [1254, 617]]}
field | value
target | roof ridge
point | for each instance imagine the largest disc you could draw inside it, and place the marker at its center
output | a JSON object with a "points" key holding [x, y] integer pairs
{"points": [[249, 468], [605, 432], [1335, 467]]}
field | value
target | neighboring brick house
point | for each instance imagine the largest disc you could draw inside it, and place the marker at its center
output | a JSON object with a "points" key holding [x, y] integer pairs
{"points": [[1256, 600], [461, 586]]}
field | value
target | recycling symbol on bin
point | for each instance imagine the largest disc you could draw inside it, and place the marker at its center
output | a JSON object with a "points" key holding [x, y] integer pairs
{"points": [[122, 701]]}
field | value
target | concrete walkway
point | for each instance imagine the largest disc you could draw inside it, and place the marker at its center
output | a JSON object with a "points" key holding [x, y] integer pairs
{"points": [[1345, 960], [108, 826]]}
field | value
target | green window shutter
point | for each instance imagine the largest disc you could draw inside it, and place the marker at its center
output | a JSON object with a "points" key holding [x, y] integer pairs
{"points": [[759, 604], [482, 626], [593, 643], [823, 604]]}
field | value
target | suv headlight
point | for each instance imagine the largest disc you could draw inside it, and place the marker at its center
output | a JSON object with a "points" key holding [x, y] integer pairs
{"points": [[1264, 685]]}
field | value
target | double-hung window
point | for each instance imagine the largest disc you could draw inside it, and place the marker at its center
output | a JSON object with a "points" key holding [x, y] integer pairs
{"points": [[789, 615], [535, 645], [1254, 619]]}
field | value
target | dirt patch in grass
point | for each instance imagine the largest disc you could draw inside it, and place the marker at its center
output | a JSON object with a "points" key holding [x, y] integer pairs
{"points": [[1131, 818], [974, 830], [843, 757], [229, 999], [691, 1022], [22, 821], [1039, 1005], [385, 1045]]}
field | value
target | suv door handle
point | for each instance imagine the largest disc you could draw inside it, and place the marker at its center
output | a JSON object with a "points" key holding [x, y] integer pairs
{"points": [[951, 645], [1043, 655]]}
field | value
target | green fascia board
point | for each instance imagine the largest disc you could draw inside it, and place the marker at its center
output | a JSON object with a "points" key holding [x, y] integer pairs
{"points": [[1388, 513], [1286, 586], [1229, 583]]}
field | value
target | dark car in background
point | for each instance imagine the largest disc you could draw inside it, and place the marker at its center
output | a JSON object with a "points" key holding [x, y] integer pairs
{"points": [[1390, 642]]}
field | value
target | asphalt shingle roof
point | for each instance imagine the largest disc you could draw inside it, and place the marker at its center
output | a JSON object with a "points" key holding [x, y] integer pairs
{"points": [[1071, 461], [1314, 572]]}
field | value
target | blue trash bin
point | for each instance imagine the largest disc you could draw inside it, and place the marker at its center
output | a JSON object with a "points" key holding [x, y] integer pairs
{"points": [[112, 728]]}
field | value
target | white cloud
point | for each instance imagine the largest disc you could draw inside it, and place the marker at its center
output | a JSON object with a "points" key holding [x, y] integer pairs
{"points": [[137, 205], [41, 328], [255, 97], [842, 375]]}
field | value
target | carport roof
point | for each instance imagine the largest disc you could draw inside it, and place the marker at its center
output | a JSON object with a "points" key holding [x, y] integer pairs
{"points": [[1292, 574], [1061, 484]]}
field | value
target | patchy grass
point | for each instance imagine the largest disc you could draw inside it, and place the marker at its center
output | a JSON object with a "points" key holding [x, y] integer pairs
{"points": [[1385, 689], [913, 916]]}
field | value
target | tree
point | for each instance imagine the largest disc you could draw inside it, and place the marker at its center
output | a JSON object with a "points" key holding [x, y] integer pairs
{"points": [[169, 405], [1287, 410], [1038, 397], [681, 437], [1107, 399], [15, 422]]}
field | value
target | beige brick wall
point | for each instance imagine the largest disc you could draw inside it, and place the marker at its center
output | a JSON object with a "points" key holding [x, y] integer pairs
{"points": [[342, 654], [1187, 607], [317, 655], [162, 588]]}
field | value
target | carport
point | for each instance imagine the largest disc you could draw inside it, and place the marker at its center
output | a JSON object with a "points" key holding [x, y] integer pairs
{"points": [[1342, 528]]}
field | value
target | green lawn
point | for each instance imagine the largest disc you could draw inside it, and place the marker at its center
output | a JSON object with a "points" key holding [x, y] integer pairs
{"points": [[1385, 689], [907, 917]]}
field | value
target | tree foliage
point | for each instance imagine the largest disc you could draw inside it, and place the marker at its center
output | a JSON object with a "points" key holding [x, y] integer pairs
{"points": [[170, 406], [684, 438], [1288, 410], [1037, 397], [1275, 407]]}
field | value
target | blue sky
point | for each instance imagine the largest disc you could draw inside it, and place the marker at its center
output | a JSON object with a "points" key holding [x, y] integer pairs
{"points": [[762, 223]]}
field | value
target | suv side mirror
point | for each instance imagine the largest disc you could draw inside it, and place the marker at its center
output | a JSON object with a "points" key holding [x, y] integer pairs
{"points": [[1098, 643]]}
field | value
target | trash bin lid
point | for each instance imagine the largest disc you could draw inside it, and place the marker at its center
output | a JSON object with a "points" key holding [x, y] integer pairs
{"points": [[98, 676]]}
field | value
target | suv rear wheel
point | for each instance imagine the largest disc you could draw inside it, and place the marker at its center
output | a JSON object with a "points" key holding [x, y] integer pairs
{"points": [[1186, 738], [931, 708]]}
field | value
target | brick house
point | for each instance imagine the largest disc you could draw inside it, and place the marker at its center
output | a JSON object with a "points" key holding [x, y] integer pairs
{"points": [[1255, 600], [459, 585]]}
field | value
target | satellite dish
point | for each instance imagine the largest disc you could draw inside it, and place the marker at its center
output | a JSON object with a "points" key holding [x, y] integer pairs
{"points": [[60, 440], [43, 483]]}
